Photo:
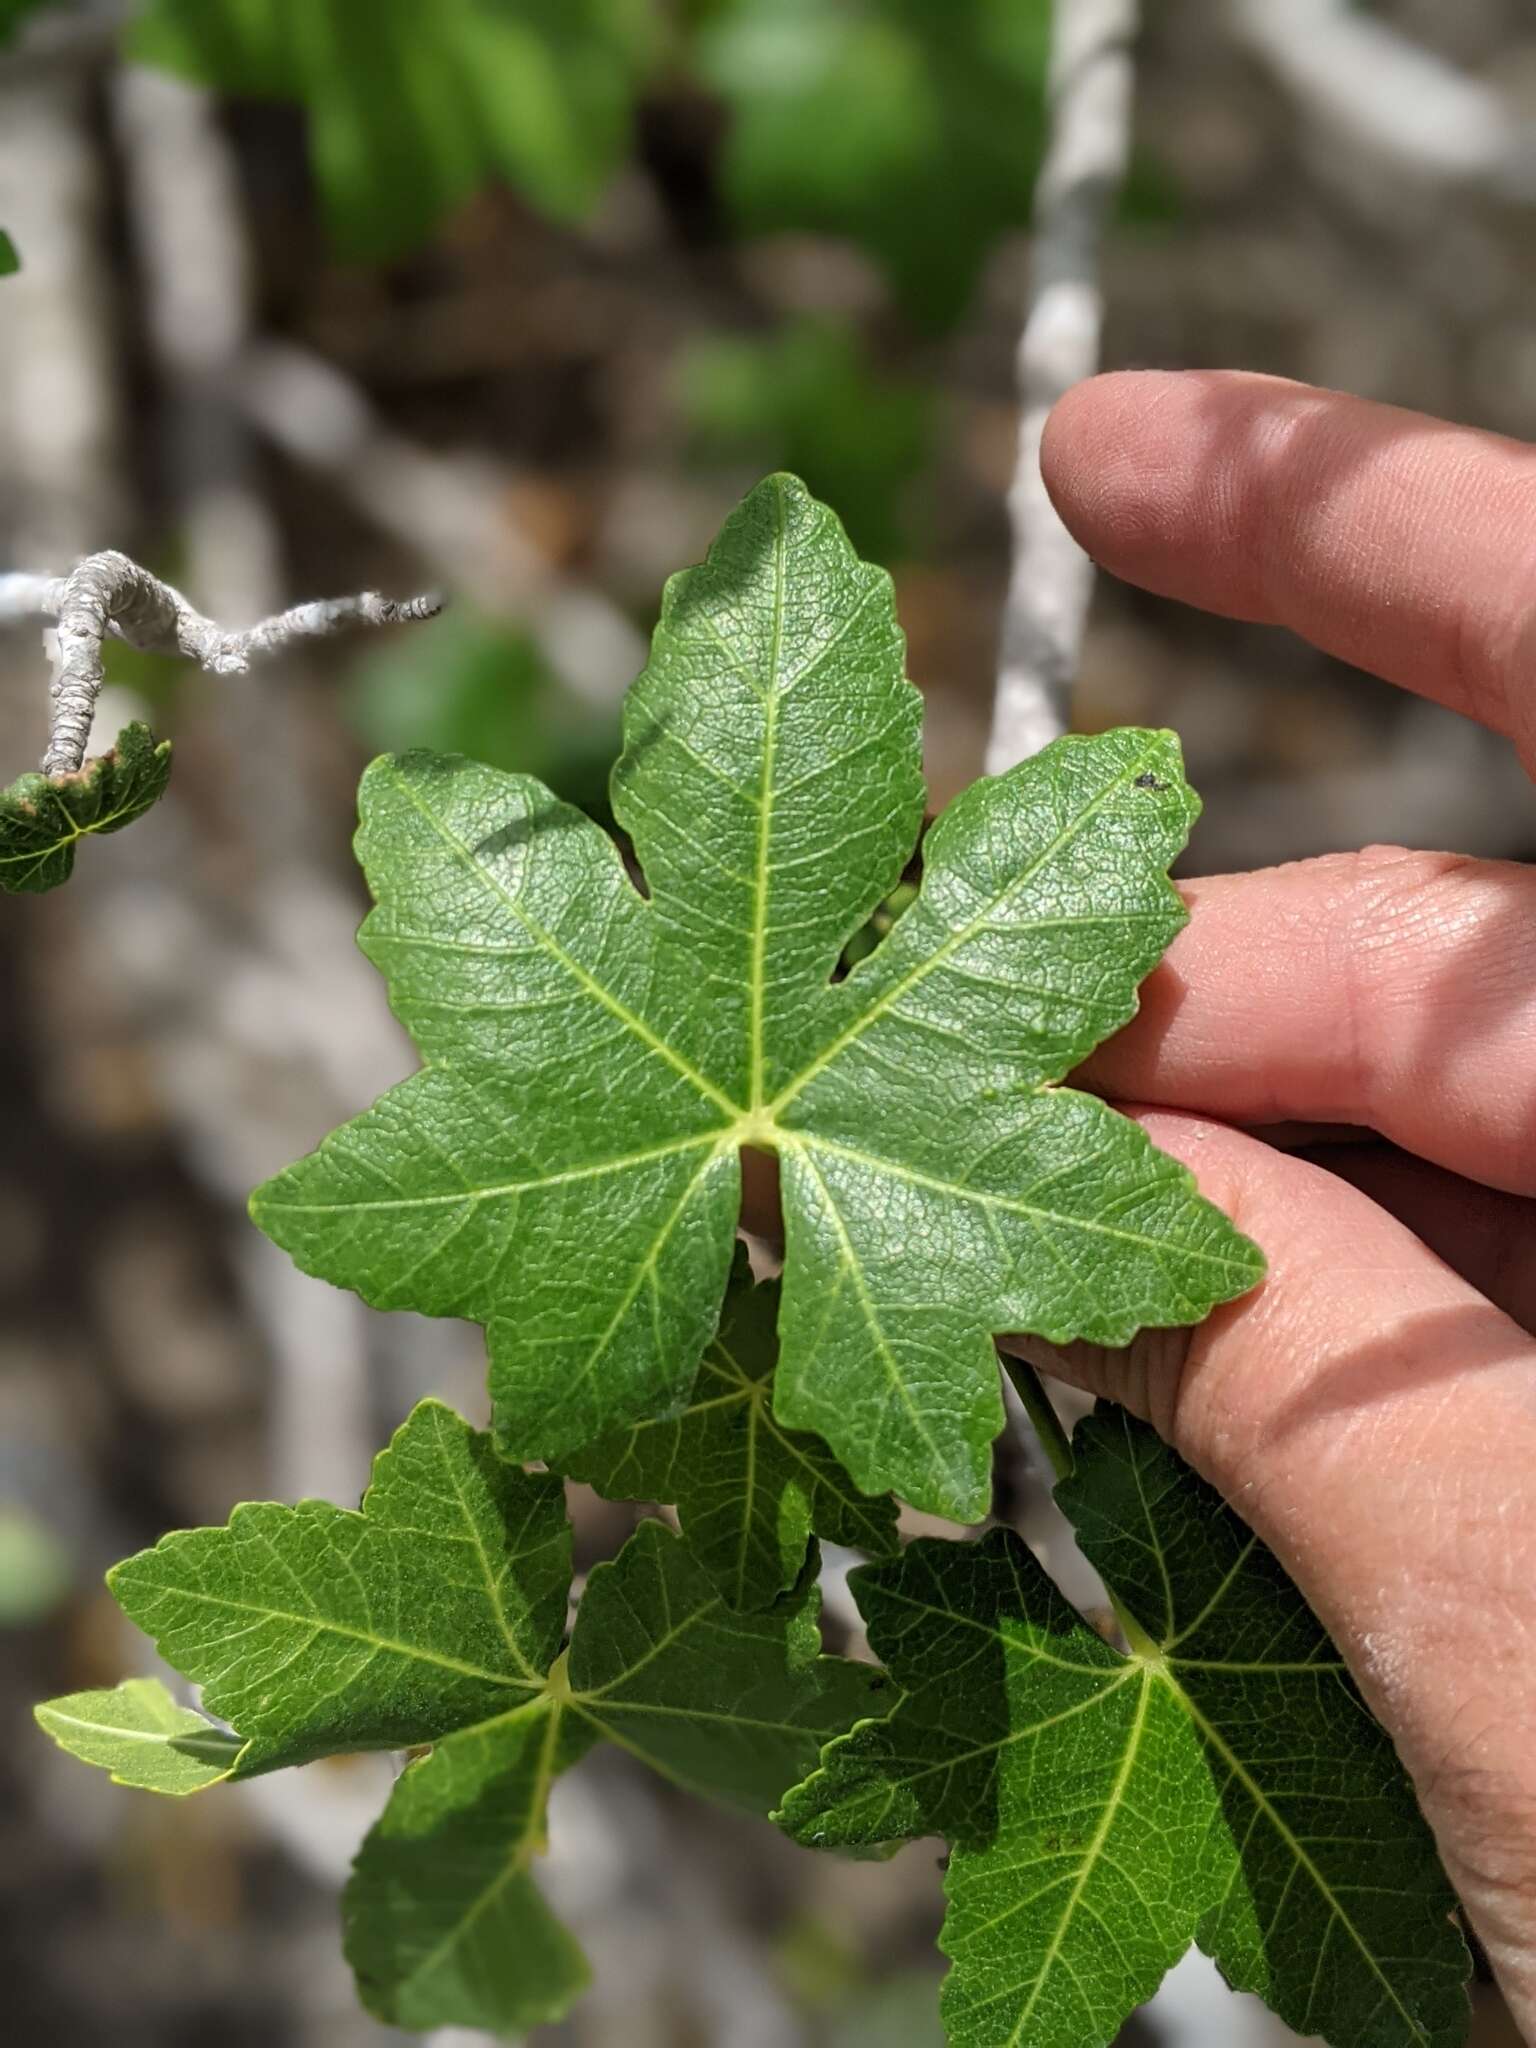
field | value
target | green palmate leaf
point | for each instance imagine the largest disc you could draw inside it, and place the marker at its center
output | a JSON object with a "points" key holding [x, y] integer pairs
{"points": [[138, 1732], [413, 108], [565, 1169], [728, 1704], [437, 1614], [444, 1922], [42, 817], [748, 1492], [1225, 1785], [445, 1925], [441, 1602]]}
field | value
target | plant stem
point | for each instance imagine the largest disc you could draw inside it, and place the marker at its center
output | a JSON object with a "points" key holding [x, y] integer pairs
{"points": [[1054, 1440], [1091, 89], [1057, 1446]]}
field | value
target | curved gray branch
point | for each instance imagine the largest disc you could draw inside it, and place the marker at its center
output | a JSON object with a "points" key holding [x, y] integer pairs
{"points": [[108, 594], [1091, 89]]}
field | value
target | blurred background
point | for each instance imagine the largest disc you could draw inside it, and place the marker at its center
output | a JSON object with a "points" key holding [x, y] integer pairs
{"points": [[518, 296]]}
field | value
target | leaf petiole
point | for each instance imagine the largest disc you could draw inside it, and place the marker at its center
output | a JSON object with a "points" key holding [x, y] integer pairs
{"points": [[1044, 1420]]}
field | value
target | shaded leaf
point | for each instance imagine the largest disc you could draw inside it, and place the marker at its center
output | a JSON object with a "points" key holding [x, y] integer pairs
{"points": [[413, 108], [314, 1629], [10, 262], [142, 1736], [1227, 1786], [42, 817], [444, 1923], [437, 1614], [748, 1492], [565, 1167], [735, 1706]]}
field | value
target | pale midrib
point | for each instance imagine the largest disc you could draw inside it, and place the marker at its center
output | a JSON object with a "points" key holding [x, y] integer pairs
{"points": [[77, 831], [1090, 1860], [212, 1745], [951, 1618], [851, 1266], [643, 1271], [1324, 1890], [952, 944], [757, 966], [516, 1863], [492, 1585], [653, 1651], [811, 1141], [321, 1625], [589, 982], [616, 1709], [1089, 1705], [1172, 1641], [597, 1170]]}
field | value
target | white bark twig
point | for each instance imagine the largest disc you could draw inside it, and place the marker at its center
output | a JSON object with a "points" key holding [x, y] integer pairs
{"points": [[1092, 78], [452, 511], [108, 594], [1369, 86]]}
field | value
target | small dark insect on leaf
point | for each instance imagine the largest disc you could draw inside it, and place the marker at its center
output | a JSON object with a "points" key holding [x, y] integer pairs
{"points": [[1149, 781]]}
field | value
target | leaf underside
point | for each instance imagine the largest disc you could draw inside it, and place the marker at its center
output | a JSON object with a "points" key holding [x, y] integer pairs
{"points": [[565, 1168], [1106, 1811], [42, 818], [138, 1732], [437, 1614]]}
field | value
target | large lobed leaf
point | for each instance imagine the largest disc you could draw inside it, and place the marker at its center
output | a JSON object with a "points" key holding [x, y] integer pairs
{"points": [[444, 1923], [437, 1614], [440, 1602], [1224, 1785], [565, 1167], [748, 1491], [412, 108], [42, 817]]}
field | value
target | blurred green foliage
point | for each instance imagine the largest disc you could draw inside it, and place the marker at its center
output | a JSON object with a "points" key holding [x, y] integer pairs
{"points": [[35, 1568], [914, 126], [10, 262], [13, 13], [414, 104], [806, 398], [465, 685]]}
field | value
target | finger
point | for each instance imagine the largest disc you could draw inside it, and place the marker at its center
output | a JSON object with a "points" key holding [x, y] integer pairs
{"points": [[1374, 1420], [1390, 989], [1395, 541], [1487, 1237]]}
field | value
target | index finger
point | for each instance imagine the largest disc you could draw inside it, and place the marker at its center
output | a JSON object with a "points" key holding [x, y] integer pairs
{"points": [[1395, 541]]}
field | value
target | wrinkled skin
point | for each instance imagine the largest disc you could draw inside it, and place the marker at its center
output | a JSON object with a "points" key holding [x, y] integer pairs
{"points": [[1371, 1409]]}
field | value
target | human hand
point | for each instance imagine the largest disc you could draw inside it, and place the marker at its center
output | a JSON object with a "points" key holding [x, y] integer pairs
{"points": [[1371, 1409]]}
